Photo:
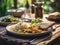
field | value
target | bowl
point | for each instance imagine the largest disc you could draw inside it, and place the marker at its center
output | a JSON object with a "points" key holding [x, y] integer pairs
{"points": [[16, 13]]}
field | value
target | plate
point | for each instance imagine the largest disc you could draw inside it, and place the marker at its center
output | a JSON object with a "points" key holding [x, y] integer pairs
{"points": [[5, 23], [49, 30]]}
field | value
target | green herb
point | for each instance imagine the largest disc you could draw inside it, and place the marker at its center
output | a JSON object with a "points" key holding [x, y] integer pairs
{"points": [[33, 21], [37, 20]]}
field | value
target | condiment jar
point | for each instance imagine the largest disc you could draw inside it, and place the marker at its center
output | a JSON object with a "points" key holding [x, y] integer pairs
{"points": [[38, 10]]}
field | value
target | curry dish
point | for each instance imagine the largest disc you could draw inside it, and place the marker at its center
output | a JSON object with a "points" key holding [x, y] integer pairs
{"points": [[26, 28]]}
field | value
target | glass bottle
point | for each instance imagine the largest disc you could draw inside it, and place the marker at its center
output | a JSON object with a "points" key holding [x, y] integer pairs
{"points": [[27, 11], [27, 5]]}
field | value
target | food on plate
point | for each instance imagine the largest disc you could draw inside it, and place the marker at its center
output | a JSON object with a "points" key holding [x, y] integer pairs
{"points": [[37, 20], [10, 19], [26, 28]]}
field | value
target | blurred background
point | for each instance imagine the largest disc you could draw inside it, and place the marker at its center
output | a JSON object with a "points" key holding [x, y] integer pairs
{"points": [[48, 6]]}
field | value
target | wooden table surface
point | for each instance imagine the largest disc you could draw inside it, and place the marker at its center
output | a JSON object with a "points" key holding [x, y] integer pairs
{"points": [[55, 34]]}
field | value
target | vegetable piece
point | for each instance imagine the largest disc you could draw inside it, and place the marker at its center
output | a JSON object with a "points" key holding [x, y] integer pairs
{"points": [[37, 20], [33, 21]]}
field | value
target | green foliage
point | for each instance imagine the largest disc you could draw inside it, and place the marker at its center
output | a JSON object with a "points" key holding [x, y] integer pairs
{"points": [[10, 4], [24, 2], [3, 7], [47, 8], [50, 6]]}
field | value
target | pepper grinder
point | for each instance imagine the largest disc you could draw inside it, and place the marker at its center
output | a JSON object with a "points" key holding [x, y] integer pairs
{"points": [[38, 10]]}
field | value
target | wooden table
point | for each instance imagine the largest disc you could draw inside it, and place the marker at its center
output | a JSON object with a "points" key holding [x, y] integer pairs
{"points": [[55, 34]]}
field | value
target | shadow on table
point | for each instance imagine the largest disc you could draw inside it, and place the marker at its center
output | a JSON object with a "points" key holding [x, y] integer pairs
{"points": [[55, 42]]}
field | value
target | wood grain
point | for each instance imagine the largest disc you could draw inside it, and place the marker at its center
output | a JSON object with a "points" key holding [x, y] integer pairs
{"points": [[55, 34]]}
